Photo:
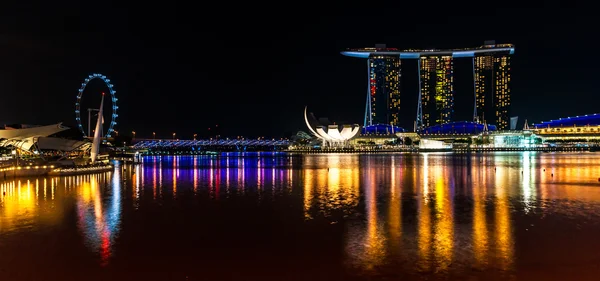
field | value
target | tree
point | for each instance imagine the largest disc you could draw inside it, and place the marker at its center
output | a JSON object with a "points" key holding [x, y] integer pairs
{"points": [[408, 141]]}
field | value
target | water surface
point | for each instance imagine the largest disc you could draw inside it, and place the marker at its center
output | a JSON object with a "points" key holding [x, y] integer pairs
{"points": [[435, 216]]}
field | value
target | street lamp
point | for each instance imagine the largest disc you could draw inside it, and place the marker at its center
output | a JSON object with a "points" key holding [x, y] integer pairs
{"points": [[133, 133], [173, 135], [153, 135], [195, 135]]}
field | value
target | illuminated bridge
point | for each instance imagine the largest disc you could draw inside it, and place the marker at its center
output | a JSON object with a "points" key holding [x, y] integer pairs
{"points": [[217, 144]]}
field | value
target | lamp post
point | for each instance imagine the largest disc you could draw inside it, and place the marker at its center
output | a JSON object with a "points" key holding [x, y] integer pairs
{"points": [[133, 133], [153, 135], [195, 135], [173, 135]]}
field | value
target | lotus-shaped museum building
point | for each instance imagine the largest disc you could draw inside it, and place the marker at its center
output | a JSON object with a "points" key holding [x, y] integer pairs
{"points": [[330, 134]]}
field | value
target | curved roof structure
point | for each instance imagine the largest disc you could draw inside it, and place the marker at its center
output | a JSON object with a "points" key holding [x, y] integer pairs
{"points": [[381, 129], [415, 54], [459, 127], [331, 133], [30, 132], [582, 120], [24, 138]]}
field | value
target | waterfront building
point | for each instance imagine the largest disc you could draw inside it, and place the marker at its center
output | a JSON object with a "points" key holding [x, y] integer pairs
{"points": [[582, 128], [491, 75], [523, 139]]}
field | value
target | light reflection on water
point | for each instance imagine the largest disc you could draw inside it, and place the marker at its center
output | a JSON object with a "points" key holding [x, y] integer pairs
{"points": [[413, 216], [99, 220]]}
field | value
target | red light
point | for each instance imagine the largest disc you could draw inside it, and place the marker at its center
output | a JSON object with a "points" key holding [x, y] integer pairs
{"points": [[103, 93]]}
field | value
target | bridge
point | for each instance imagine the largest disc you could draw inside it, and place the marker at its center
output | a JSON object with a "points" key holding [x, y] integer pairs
{"points": [[216, 144]]}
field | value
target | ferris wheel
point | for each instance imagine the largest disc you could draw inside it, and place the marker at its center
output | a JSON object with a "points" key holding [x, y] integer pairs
{"points": [[113, 119]]}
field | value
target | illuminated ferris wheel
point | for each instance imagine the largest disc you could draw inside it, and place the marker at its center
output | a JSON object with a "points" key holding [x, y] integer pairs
{"points": [[113, 119]]}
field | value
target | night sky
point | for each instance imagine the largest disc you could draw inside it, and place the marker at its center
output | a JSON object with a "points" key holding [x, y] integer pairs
{"points": [[251, 69]]}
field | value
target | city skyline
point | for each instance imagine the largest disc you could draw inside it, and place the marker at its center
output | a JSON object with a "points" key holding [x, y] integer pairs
{"points": [[243, 140], [174, 69]]}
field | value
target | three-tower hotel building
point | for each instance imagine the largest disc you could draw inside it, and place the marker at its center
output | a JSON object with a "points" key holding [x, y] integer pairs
{"points": [[491, 76]]}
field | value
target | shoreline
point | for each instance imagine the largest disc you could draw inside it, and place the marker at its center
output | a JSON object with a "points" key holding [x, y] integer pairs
{"points": [[376, 151], [8, 172]]}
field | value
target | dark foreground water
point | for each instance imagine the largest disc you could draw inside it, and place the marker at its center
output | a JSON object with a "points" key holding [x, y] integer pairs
{"points": [[503, 216]]}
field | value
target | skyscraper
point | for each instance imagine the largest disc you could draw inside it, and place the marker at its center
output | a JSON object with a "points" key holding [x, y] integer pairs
{"points": [[427, 84], [482, 77], [437, 90], [384, 90], [502, 90], [492, 92]]}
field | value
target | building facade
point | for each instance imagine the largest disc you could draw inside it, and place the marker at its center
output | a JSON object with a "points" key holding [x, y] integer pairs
{"points": [[502, 91], [483, 69], [384, 90], [437, 90], [492, 88]]}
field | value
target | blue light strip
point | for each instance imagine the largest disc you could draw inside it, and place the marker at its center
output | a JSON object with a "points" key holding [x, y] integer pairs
{"points": [[410, 55], [463, 54], [458, 128], [382, 129], [588, 119], [361, 55]]}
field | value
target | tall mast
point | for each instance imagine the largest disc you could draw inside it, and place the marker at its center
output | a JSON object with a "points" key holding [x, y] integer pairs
{"points": [[97, 133]]}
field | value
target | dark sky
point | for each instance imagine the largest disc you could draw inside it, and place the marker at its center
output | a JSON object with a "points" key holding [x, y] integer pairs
{"points": [[251, 68]]}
